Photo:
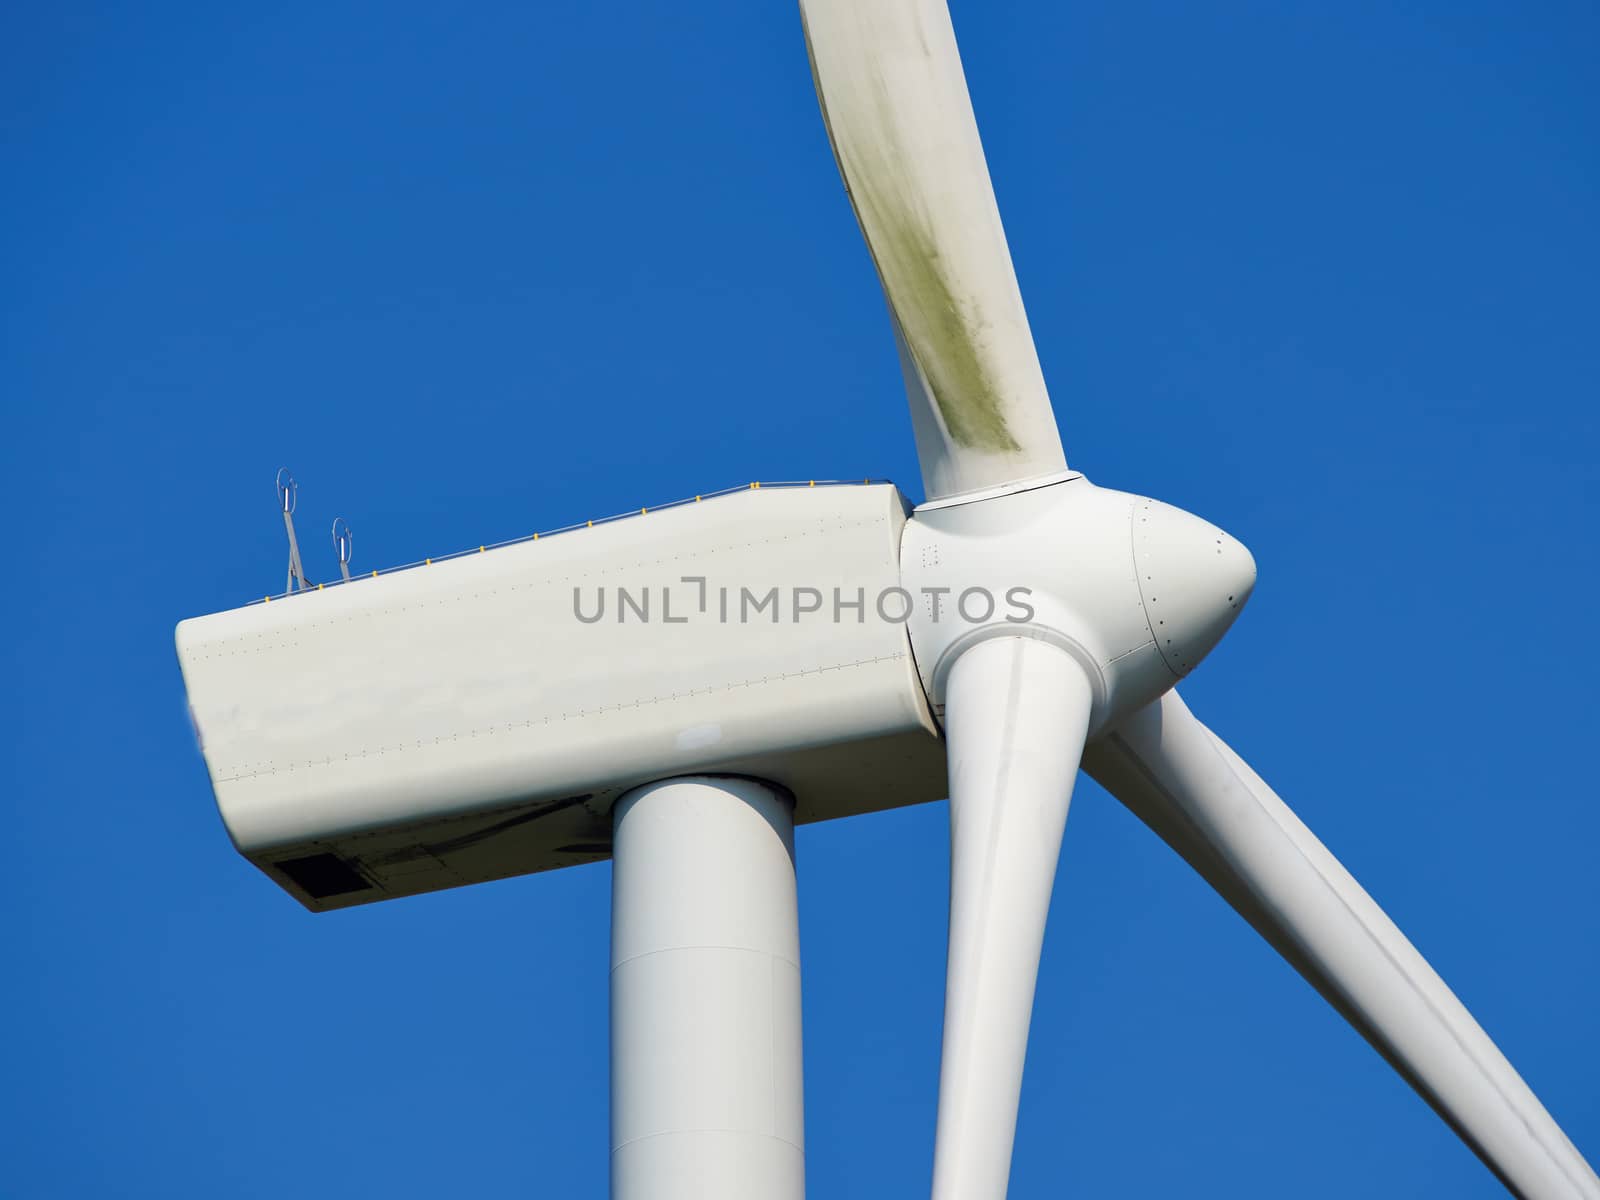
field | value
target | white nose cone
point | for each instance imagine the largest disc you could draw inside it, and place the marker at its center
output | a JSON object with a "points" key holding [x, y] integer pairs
{"points": [[1193, 577]]}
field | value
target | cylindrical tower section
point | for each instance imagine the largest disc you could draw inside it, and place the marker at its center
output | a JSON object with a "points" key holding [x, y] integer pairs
{"points": [[706, 1099]]}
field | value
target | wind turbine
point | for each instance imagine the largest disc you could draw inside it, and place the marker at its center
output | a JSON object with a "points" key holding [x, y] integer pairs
{"points": [[676, 689]]}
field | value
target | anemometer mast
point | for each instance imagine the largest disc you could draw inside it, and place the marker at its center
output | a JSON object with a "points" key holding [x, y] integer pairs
{"points": [[288, 496], [343, 539]]}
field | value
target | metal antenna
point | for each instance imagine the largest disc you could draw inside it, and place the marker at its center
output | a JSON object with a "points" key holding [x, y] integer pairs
{"points": [[344, 542], [288, 493]]}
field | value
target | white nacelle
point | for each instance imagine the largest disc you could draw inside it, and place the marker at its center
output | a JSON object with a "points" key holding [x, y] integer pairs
{"points": [[477, 717], [459, 721]]}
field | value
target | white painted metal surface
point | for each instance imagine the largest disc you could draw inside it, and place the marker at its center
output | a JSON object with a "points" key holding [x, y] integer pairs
{"points": [[894, 99], [1188, 786], [1016, 711], [706, 1097], [1073, 564], [1193, 579], [459, 722]]}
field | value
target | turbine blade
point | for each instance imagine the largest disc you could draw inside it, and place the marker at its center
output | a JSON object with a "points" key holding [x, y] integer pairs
{"points": [[1181, 780], [895, 103], [1016, 714]]}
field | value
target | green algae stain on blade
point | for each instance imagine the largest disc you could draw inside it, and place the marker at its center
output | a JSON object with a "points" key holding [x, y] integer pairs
{"points": [[941, 330], [942, 337]]}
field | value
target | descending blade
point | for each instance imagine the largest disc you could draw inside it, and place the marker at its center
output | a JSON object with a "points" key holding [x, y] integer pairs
{"points": [[895, 102], [1016, 713], [1181, 780]]}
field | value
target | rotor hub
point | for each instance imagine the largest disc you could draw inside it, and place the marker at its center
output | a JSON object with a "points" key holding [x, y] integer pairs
{"points": [[1137, 591]]}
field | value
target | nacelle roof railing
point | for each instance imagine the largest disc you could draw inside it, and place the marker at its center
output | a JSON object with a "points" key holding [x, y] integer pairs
{"points": [[646, 510]]}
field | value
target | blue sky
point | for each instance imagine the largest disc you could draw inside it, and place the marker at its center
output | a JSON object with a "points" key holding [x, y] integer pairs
{"points": [[1324, 274]]}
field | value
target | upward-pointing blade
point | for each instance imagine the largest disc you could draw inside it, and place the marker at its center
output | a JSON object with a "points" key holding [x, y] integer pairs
{"points": [[895, 102]]}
